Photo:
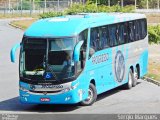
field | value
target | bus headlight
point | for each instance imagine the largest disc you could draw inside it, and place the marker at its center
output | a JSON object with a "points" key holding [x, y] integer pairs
{"points": [[70, 88], [23, 89]]}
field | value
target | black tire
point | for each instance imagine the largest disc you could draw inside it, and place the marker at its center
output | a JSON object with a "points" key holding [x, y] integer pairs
{"points": [[136, 76], [129, 84], [90, 100]]}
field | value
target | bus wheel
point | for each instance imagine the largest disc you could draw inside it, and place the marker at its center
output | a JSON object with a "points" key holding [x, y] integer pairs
{"points": [[135, 77], [92, 96], [130, 80]]}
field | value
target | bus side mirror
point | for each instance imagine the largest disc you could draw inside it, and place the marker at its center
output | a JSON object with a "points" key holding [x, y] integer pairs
{"points": [[77, 51], [13, 51]]}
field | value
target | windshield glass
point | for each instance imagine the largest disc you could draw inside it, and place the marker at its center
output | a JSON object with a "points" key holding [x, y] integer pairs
{"points": [[60, 57], [47, 59]]}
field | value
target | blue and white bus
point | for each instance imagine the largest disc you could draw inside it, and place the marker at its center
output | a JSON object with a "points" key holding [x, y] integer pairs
{"points": [[73, 58]]}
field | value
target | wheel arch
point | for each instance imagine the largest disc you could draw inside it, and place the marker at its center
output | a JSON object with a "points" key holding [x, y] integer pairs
{"points": [[132, 68], [93, 82], [138, 68]]}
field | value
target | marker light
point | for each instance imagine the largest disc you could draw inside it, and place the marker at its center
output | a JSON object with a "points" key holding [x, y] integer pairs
{"points": [[70, 88], [23, 89], [68, 98]]}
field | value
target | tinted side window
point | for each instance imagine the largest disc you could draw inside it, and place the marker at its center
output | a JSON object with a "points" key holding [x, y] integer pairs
{"points": [[104, 38], [95, 39], [131, 31], [99, 38], [144, 28], [138, 30], [121, 34], [126, 32], [113, 35]]}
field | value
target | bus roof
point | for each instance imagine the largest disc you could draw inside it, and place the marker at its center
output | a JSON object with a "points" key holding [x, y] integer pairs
{"points": [[72, 25]]}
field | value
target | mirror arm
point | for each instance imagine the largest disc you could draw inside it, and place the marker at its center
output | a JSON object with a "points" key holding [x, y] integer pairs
{"points": [[13, 50], [82, 59], [77, 50]]}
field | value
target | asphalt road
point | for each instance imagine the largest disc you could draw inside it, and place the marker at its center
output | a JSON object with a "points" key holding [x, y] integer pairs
{"points": [[144, 98]]}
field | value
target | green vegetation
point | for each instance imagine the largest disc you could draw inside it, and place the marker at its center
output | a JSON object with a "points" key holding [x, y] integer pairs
{"points": [[154, 34], [153, 70], [89, 7], [153, 76], [92, 8], [51, 14], [113, 2], [140, 3]]}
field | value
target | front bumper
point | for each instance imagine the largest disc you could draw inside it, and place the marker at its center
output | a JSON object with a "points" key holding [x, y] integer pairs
{"points": [[71, 96]]}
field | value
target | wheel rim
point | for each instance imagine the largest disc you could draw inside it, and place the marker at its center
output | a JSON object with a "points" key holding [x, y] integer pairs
{"points": [[136, 75], [90, 96], [130, 80]]}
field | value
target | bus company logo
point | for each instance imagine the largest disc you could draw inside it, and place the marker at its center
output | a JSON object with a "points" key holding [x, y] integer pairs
{"points": [[119, 66], [52, 86], [32, 87], [100, 58]]}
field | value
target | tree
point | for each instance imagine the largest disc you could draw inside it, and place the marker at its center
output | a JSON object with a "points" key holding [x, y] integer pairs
{"points": [[140, 3], [114, 2]]}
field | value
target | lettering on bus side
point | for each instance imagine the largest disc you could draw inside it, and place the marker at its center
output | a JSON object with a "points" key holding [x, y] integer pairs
{"points": [[119, 66], [100, 58], [34, 87], [52, 86]]}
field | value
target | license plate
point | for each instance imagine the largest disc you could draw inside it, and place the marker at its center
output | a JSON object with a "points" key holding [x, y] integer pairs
{"points": [[44, 99]]}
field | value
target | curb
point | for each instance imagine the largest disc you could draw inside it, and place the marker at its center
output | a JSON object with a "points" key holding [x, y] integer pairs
{"points": [[151, 80], [19, 20], [15, 26]]}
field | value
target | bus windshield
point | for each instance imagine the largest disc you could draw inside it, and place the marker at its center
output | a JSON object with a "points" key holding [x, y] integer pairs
{"points": [[47, 59]]}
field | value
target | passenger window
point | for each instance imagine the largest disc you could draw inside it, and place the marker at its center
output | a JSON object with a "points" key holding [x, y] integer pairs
{"points": [[144, 28], [95, 43], [131, 29], [99, 38], [121, 33], [104, 38], [113, 35], [138, 31], [126, 32]]}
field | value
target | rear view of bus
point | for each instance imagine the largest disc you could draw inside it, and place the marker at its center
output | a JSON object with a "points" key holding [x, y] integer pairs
{"points": [[72, 59]]}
